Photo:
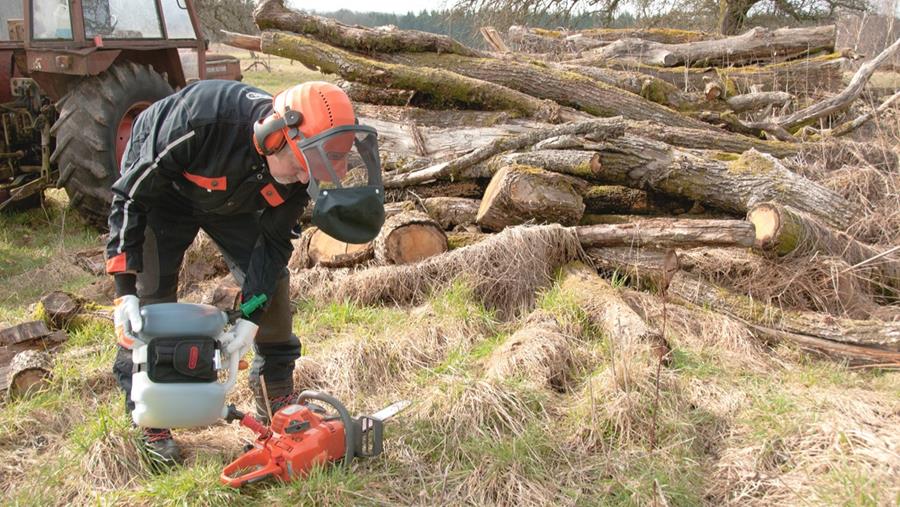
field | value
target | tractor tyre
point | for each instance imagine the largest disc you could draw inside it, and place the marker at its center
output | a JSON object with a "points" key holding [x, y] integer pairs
{"points": [[95, 120]]}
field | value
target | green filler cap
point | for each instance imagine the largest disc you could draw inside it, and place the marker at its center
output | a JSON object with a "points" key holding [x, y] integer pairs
{"points": [[253, 304]]}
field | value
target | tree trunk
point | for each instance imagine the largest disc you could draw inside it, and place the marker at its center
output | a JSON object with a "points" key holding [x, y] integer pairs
{"points": [[606, 310], [618, 200], [651, 88], [842, 100], [323, 250], [758, 45], [272, 14], [733, 184], [797, 77], [29, 372], [757, 101], [564, 88], [519, 194], [606, 35], [668, 233], [59, 308], [437, 82], [866, 333], [451, 212], [602, 128], [409, 237], [784, 230], [24, 332], [732, 14], [363, 93], [710, 140]]}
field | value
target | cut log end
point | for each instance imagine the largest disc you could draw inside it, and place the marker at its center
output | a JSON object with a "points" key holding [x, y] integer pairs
{"points": [[409, 237], [767, 221], [29, 372], [329, 252]]}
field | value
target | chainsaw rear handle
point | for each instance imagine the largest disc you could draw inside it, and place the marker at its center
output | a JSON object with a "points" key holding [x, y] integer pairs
{"points": [[349, 426], [258, 461]]}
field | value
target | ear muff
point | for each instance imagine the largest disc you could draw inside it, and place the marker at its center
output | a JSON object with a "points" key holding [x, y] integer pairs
{"points": [[271, 133]]}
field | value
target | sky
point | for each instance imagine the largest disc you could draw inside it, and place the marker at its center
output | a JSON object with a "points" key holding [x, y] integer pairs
{"points": [[396, 6]]}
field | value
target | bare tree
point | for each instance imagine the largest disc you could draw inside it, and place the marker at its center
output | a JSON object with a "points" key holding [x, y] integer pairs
{"points": [[730, 15]]}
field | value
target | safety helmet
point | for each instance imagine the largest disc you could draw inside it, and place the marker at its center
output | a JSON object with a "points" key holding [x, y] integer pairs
{"points": [[315, 120]]}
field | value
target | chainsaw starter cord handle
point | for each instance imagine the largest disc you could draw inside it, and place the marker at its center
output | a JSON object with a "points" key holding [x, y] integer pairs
{"points": [[349, 427]]}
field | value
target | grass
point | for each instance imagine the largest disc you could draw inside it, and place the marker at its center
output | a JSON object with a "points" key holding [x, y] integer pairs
{"points": [[281, 74]]}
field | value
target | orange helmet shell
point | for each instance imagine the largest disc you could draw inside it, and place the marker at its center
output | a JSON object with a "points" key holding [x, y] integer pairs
{"points": [[323, 106]]}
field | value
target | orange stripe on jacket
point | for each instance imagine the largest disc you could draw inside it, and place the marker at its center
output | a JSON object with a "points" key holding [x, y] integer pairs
{"points": [[116, 264]]}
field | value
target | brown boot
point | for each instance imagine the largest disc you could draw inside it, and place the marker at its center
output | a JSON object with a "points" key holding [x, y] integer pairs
{"points": [[161, 446], [280, 394]]}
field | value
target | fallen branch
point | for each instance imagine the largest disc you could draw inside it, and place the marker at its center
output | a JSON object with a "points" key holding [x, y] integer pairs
{"points": [[754, 46], [272, 14], [668, 233], [757, 101], [603, 128], [859, 121], [842, 100]]}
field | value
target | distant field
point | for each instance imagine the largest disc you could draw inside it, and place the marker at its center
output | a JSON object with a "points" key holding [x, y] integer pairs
{"points": [[282, 72]]}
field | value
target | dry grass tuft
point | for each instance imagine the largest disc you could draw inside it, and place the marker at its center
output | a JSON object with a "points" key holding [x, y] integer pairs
{"points": [[115, 460], [817, 283], [539, 351], [503, 271]]}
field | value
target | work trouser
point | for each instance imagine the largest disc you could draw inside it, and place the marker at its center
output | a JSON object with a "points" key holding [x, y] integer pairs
{"points": [[170, 231]]}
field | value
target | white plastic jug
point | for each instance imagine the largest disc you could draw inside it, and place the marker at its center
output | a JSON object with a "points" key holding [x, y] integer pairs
{"points": [[196, 334]]}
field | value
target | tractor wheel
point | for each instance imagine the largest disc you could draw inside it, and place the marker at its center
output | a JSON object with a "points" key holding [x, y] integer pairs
{"points": [[95, 120]]}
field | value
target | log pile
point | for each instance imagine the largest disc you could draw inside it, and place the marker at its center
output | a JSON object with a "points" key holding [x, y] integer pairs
{"points": [[625, 143]]}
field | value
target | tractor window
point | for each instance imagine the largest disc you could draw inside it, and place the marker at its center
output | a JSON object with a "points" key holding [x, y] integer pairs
{"points": [[51, 20], [178, 21], [121, 19], [9, 11]]}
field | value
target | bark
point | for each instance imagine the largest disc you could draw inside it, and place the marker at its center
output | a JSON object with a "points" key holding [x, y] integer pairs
{"points": [[469, 189], [784, 230], [732, 14], [651, 88], [434, 81], [614, 199], [24, 332], [842, 100], [797, 77], [663, 35], [29, 372], [241, 40], [603, 128], [272, 14], [452, 212], [668, 233], [758, 45], [494, 40], [734, 184], [530, 41], [865, 333], [362, 93], [757, 101], [606, 310], [520, 194], [226, 296], [59, 308], [564, 88], [859, 121], [643, 266], [710, 140], [409, 237]]}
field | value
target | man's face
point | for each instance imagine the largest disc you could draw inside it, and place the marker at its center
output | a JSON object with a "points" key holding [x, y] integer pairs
{"points": [[285, 168]]}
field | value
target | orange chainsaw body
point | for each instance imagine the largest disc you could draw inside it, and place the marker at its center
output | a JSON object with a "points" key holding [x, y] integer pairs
{"points": [[298, 439]]}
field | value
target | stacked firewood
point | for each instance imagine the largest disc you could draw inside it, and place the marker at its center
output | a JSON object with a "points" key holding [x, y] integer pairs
{"points": [[634, 147]]}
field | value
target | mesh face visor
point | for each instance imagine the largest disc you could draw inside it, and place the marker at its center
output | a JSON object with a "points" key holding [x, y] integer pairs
{"points": [[331, 155]]}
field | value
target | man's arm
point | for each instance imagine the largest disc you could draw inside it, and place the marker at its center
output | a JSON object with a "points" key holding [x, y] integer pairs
{"points": [[273, 246], [146, 159]]}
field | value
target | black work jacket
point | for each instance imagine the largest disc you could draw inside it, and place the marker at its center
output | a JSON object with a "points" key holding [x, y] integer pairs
{"points": [[195, 147]]}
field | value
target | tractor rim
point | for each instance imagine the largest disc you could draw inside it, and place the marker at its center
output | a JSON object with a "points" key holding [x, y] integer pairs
{"points": [[123, 132]]}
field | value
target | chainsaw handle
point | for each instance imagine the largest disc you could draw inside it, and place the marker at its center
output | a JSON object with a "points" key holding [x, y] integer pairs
{"points": [[349, 426], [259, 459]]}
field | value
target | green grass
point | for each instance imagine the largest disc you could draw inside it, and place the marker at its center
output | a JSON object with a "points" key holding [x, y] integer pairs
{"points": [[283, 73]]}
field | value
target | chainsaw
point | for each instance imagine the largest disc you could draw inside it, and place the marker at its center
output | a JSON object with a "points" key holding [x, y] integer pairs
{"points": [[303, 435]]}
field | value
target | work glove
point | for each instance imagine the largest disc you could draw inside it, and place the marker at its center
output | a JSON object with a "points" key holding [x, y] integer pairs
{"points": [[127, 319]]}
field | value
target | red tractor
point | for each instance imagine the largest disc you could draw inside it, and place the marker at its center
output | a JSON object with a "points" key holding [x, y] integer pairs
{"points": [[74, 74]]}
